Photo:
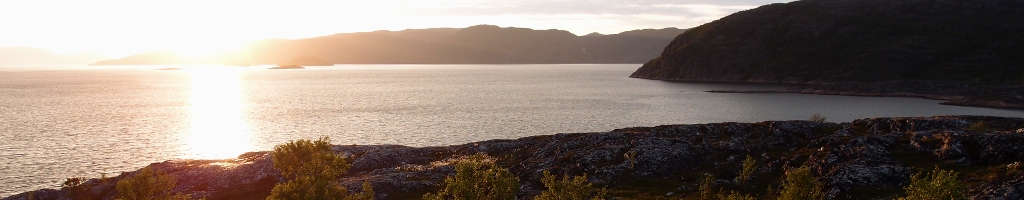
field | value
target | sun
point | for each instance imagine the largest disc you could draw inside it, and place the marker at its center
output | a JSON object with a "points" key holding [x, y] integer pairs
{"points": [[217, 125]]}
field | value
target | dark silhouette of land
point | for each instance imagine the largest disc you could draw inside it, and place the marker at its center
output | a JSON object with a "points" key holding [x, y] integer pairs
{"points": [[37, 56], [964, 52], [864, 40], [482, 44]]}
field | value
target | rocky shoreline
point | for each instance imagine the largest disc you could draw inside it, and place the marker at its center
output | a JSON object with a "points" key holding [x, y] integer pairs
{"points": [[866, 158], [990, 95]]}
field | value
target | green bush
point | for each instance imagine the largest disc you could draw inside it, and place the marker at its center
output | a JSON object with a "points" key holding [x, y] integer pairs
{"points": [[706, 188], [937, 184], [309, 158], [801, 184], [312, 168], [148, 184], [818, 118], [477, 178], [749, 166], [733, 195], [576, 188]]}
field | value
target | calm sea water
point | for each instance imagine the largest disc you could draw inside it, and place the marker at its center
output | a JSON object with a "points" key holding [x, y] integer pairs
{"points": [[83, 121]]}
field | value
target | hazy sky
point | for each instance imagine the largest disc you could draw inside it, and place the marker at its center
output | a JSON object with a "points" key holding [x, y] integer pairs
{"points": [[123, 27]]}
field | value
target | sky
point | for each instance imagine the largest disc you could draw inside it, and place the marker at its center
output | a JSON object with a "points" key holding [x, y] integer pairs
{"points": [[123, 27]]}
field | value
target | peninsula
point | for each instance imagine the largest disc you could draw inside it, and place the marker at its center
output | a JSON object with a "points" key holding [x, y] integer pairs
{"points": [[968, 53]]}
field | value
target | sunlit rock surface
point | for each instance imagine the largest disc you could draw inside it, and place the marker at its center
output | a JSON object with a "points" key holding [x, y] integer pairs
{"points": [[866, 158]]}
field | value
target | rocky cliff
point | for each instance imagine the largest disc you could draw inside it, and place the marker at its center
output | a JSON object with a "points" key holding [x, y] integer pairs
{"points": [[862, 159], [862, 40]]}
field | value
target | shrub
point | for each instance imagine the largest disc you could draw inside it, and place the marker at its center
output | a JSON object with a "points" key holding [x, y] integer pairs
{"points": [[978, 126], [706, 190], [937, 184], [706, 187], [733, 195], [576, 188], [477, 178], [148, 184], [749, 166], [818, 118], [309, 158], [801, 184], [76, 188], [312, 168]]}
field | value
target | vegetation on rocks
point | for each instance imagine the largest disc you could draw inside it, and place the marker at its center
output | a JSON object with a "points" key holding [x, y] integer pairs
{"points": [[149, 184], [575, 188], [477, 178], [937, 184], [801, 184], [312, 169], [862, 159]]}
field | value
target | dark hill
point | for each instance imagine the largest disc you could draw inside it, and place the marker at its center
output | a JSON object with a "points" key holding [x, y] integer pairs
{"points": [[482, 44], [857, 40]]}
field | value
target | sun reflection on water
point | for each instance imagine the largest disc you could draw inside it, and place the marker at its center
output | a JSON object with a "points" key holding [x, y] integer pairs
{"points": [[217, 128]]}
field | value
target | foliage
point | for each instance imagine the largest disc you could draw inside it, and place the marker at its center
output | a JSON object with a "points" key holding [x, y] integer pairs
{"points": [[367, 193], [576, 188], [312, 168], [749, 166], [706, 190], [937, 184], [309, 158], [76, 188], [149, 184], [308, 187], [801, 184], [733, 195], [817, 118], [706, 187], [978, 126], [477, 178]]}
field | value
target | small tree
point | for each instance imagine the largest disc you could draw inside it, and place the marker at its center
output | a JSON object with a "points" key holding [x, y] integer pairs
{"points": [[576, 188], [818, 118], [937, 184], [477, 178], [733, 195], [801, 184], [749, 166], [706, 187], [312, 168], [76, 188], [148, 184]]}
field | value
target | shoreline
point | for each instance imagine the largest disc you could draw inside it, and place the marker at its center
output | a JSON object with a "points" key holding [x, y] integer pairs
{"points": [[984, 95], [667, 160]]}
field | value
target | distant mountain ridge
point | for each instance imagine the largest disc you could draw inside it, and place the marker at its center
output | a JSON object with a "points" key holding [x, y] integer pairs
{"points": [[36, 56], [481, 44], [864, 40]]}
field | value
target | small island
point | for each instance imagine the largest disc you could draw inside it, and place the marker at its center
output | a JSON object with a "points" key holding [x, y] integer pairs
{"points": [[287, 67]]}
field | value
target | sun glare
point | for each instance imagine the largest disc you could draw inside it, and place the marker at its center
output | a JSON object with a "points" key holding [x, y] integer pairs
{"points": [[217, 128]]}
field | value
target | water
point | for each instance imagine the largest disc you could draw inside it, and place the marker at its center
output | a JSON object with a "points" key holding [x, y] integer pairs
{"points": [[82, 121]]}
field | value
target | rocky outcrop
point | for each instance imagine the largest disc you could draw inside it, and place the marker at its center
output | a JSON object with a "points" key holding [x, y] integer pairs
{"points": [[862, 159], [864, 40]]}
